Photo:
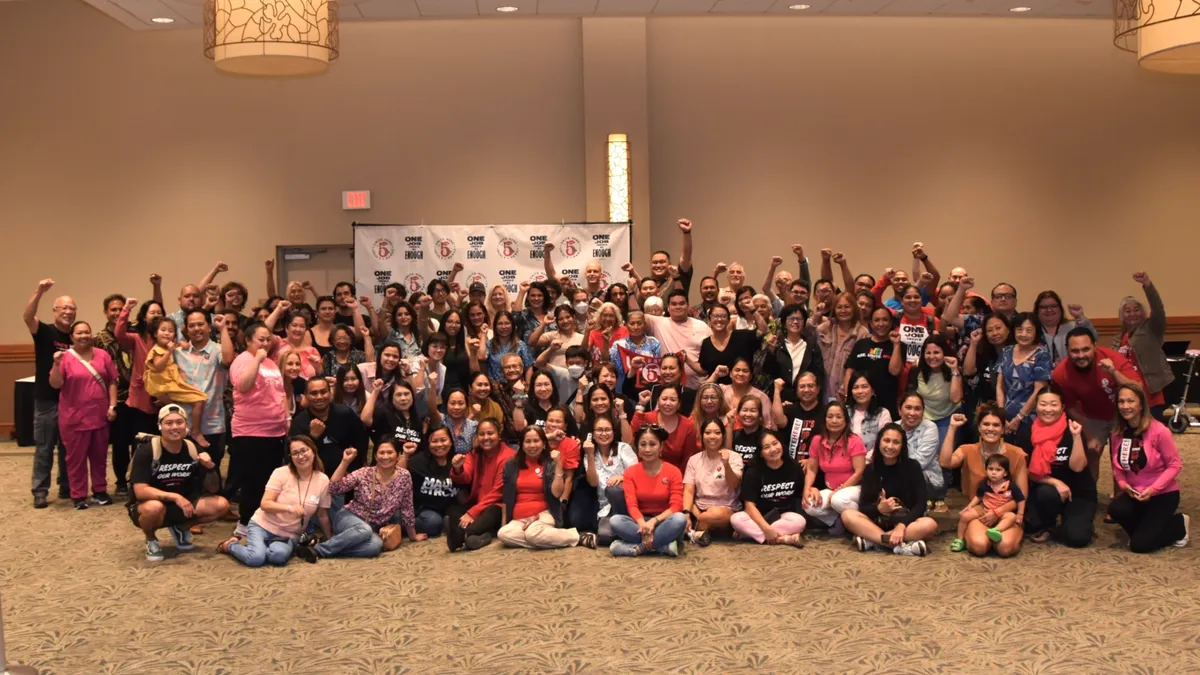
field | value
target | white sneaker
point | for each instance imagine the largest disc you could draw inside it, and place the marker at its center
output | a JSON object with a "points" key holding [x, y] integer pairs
{"points": [[1187, 526], [916, 548], [864, 545]]}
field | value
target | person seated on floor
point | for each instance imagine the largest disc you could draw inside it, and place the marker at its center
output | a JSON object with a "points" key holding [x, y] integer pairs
{"points": [[839, 454], [891, 507], [710, 484], [383, 495], [921, 442], [1060, 483], [167, 478], [1146, 466], [433, 490], [533, 486], [770, 491], [295, 493], [651, 487], [472, 523], [997, 496], [971, 458], [606, 461]]}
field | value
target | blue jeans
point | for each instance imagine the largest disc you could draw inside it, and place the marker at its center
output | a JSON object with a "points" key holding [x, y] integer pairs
{"points": [[669, 530], [352, 538], [262, 547], [46, 438], [429, 522], [616, 500]]}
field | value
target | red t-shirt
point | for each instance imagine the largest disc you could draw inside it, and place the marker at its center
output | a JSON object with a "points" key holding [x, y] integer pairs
{"points": [[531, 492], [1155, 398], [596, 343], [647, 496], [568, 453], [1093, 392], [680, 445]]}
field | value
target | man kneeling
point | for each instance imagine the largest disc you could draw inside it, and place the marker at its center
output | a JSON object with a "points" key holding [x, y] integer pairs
{"points": [[167, 482]]}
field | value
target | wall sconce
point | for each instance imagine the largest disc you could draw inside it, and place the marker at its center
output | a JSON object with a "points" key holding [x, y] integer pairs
{"points": [[618, 179]]}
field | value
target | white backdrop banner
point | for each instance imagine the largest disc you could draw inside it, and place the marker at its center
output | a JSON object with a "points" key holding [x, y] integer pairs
{"points": [[414, 255]]}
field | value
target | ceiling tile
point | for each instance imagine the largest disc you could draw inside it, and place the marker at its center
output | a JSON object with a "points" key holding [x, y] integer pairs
{"points": [[388, 9], [524, 7], [684, 6], [346, 11], [911, 7], [1079, 8], [742, 6], [856, 7], [985, 7], [448, 7], [814, 6], [145, 10], [193, 12], [569, 7], [625, 7]]}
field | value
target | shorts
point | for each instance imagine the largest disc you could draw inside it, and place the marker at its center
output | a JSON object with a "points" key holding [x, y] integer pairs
{"points": [[174, 514]]}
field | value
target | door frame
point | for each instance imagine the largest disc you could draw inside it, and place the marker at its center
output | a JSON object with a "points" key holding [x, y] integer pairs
{"points": [[281, 253]]}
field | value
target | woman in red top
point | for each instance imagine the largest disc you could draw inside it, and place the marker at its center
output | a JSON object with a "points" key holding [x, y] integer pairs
{"points": [[533, 486], [566, 446], [680, 443], [473, 523], [651, 487], [138, 342], [609, 328]]}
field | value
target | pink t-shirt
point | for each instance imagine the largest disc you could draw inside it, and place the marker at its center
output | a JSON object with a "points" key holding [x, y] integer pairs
{"points": [[260, 411], [708, 477], [312, 493], [82, 401], [836, 463], [680, 337]]}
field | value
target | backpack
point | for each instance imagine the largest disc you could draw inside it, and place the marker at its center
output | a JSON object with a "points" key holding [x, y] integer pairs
{"points": [[211, 477]]}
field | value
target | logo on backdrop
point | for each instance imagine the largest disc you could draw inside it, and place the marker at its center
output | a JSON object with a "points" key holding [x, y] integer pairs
{"points": [[537, 276], [509, 279], [383, 249], [601, 246], [414, 282], [413, 247], [536, 242], [476, 277], [444, 248], [475, 247], [574, 274], [382, 279], [605, 279], [507, 248], [570, 247]]}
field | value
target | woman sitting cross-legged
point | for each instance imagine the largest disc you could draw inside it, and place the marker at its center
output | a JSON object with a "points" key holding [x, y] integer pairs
{"points": [[653, 486], [433, 490], [533, 484], [710, 484], [891, 508], [472, 523], [1060, 483], [771, 491], [1146, 466], [294, 494], [840, 455], [606, 460]]}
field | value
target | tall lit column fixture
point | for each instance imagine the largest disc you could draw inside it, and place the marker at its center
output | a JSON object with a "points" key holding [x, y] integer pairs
{"points": [[618, 179], [271, 37], [1165, 34]]}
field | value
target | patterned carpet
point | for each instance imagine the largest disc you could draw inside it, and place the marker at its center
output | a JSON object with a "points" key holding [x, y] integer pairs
{"points": [[79, 599]]}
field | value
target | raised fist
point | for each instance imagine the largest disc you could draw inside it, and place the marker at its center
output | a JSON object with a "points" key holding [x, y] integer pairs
{"points": [[45, 285], [776, 261], [348, 455], [685, 225]]}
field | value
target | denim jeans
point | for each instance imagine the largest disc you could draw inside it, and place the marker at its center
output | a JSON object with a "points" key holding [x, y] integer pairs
{"points": [[262, 547], [616, 499], [46, 438], [352, 538], [429, 522], [669, 530]]}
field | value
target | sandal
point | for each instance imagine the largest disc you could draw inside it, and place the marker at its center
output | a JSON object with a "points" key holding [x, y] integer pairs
{"points": [[223, 547], [587, 540], [196, 529], [792, 540], [958, 546]]}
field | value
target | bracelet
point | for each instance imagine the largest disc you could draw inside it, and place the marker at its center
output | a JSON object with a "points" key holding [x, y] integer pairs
{"points": [[640, 408]]}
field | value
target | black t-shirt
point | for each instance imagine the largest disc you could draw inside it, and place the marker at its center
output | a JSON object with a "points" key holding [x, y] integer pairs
{"points": [[388, 425], [799, 429], [432, 488], [771, 489], [872, 358], [47, 341], [685, 279], [1081, 482], [742, 344], [747, 444], [343, 429], [174, 472]]}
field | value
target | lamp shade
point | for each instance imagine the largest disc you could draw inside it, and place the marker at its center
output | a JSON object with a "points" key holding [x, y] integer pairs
{"points": [[1165, 34], [271, 37]]}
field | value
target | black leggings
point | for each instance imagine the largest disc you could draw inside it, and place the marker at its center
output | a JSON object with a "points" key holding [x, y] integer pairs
{"points": [[120, 434], [488, 522], [1152, 524], [259, 456], [1045, 507]]}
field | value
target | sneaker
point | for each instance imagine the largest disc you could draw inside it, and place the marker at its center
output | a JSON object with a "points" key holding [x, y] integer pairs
{"points": [[183, 538], [475, 542], [153, 551], [671, 550], [623, 549], [1187, 525], [939, 506], [916, 548], [700, 538], [306, 553], [122, 490], [102, 499], [241, 531], [81, 504], [40, 502], [864, 545]]}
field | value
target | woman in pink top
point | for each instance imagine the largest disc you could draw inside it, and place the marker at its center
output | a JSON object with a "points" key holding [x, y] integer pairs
{"points": [[710, 484], [1146, 467], [296, 339], [840, 455], [86, 380], [138, 343], [259, 426]]}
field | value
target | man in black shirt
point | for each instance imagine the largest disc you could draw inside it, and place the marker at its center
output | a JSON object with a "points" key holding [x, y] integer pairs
{"points": [[48, 339], [332, 426], [168, 485]]}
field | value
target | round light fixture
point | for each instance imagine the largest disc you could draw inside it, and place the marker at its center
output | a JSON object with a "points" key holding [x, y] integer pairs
{"points": [[799, 8], [162, 19], [1021, 9], [506, 9]]}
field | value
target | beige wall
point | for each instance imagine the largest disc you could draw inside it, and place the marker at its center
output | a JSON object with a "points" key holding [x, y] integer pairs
{"points": [[1031, 151]]}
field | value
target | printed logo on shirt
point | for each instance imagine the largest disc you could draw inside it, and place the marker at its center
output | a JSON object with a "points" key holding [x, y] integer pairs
{"points": [[538, 471], [664, 480], [874, 353], [747, 452], [772, 491], [438, 487], [1061, 454]]}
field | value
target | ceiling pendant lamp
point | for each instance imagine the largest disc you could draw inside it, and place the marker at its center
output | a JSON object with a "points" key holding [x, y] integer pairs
{"points": [[1165, 34], [273, 38]]}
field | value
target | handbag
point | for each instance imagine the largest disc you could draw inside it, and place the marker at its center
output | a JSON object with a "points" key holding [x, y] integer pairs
{"points": [[391, 535]]}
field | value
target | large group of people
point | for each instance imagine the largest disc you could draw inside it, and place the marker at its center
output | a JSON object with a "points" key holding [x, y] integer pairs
{"points": [[640, 416]]}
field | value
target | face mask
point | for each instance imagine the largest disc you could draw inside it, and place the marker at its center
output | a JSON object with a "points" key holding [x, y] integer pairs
{"points": [[575, 372], [581, 308]]}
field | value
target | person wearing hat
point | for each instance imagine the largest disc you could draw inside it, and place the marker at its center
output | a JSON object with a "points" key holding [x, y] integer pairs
{"points": [[167, 484], [477, 292]]}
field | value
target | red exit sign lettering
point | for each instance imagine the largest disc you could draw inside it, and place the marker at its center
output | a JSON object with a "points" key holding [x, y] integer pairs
{"points": [[356, 200]]}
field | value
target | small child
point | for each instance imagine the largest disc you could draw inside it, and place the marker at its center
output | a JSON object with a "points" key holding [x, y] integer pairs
{"points": [[996, 494], [162, 376]]}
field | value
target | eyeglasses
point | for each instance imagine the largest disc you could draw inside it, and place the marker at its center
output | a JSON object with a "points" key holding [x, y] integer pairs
{"points": [[795, 319], [66, 307], [1004, 296], [300, 453], [1047, 308]]}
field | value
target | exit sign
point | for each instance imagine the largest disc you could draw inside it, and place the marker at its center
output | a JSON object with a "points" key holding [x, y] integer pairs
{"points": [[356, 200]]}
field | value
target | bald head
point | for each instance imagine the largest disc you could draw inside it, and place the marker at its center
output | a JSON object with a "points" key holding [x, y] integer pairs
{"points": [[958, 274], [64, 311], [190, 298]]}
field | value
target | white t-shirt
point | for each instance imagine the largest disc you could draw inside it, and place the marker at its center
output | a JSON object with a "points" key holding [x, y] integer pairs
{"points": [[683, 337]]}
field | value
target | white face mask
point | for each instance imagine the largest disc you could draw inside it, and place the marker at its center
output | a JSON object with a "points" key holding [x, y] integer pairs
{"points": [[581, 308], [575, 372]]}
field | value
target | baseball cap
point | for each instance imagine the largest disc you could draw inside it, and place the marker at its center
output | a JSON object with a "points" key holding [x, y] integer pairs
{"points": [[171, 409], [477, 287]]}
